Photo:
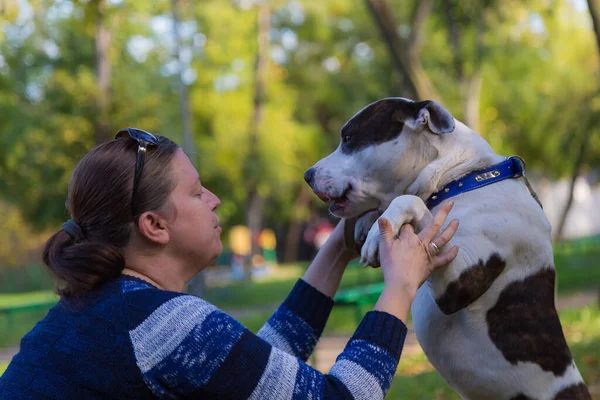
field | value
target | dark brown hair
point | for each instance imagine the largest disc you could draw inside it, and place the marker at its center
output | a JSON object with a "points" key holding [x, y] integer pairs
{"points": [[99, 200]]}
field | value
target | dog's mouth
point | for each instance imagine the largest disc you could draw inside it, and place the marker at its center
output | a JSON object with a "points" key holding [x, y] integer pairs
{"points": [[336, 204]]}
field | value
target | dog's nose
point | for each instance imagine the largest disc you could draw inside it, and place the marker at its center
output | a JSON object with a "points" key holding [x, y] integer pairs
{"points": [[309, 175]]}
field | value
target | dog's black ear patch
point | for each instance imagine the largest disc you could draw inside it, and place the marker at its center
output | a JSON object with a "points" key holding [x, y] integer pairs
{"points": [[379, 122], [383, 121], [524, 324], [470, 285], [574, 392], [435, 116]]}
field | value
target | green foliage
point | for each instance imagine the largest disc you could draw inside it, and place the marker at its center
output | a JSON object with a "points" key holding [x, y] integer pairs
{"points": [[18, 242], [538, 97]]}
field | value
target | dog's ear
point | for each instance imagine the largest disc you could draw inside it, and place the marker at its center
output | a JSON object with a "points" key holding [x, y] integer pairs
{"points": [[436, 117]]}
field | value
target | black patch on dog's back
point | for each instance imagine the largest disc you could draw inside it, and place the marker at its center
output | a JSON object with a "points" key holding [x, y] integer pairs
{"points": [[524, 324], [574, 392], [521, 396], [471, 284], [379, 122]]}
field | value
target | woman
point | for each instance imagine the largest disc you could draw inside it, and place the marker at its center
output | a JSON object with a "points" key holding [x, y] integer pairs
{"points": [[141, 227]]}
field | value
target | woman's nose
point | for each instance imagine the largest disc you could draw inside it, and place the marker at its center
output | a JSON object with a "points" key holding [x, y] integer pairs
{"points": [[216, 202]]}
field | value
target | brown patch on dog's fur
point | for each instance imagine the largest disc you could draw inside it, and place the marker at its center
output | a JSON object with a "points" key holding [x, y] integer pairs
{"points": [[471, 284], [574, 392], [524, 324]]}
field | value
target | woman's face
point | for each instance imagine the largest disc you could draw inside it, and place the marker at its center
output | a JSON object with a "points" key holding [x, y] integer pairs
{"points": [[194, 233]]}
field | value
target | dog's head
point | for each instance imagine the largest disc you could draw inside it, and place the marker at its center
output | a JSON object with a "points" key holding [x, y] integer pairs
{"points": [[382, 149]]}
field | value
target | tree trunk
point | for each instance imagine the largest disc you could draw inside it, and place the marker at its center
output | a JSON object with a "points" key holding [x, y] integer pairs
{"points": [[472, 99], [197, 286], [576, 172], [470, 84], [421, 13], [294, 232], [594, 6], [251, 168], [406, 60], [102, 39], [184, 104]]}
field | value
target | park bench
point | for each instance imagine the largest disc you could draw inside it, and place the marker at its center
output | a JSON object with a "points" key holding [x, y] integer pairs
{"points": [[13, 304]]}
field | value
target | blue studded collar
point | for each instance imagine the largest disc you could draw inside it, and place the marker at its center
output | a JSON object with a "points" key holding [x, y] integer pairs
{"points": [[512, 167]]}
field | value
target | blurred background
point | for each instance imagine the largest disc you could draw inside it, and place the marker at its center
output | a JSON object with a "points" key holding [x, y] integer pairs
{"points": [[256, 92]]}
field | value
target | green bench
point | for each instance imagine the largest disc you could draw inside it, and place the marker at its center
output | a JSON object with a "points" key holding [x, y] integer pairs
{"points": [[359, 298], [12, 304]]}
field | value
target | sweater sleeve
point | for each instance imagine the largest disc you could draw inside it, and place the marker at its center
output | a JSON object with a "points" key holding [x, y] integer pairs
{"points": [[298, 323], [186, 348]]}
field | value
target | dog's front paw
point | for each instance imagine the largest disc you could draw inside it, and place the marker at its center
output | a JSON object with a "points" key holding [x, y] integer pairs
{"points": [[363, 226], [370, 250]]}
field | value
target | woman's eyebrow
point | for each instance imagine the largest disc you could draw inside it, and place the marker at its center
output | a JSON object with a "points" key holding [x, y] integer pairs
{"points": [[197, 183]]}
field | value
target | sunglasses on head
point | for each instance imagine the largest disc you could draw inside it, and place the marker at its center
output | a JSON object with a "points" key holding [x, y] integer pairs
{"points": [[144, 140]]}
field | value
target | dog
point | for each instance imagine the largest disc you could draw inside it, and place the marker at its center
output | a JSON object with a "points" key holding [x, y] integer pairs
{"points": [[487, 322]]}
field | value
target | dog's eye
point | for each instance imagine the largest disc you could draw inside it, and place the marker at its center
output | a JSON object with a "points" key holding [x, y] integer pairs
{"points": [[347, 138]]}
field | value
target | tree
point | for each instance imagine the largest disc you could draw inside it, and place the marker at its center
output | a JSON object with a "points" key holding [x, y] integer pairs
{"points": [[406, 53], [252, 165], [103, 68], [594, 9]]}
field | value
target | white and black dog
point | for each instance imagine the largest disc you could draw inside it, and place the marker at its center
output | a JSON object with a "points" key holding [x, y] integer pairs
{"points": [[488, 321]]}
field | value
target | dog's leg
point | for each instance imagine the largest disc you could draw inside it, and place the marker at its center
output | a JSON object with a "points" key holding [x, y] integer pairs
{"points": [[449, 167], [402, 210], [429, 178], [363, 225]]}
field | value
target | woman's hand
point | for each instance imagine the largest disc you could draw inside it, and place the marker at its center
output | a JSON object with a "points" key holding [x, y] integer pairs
{"points": [[325, 272], [408, 261], [337, 237]]}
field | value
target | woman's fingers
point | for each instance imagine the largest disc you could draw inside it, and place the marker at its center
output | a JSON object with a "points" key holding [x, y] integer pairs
{"points": [[445, 257], [385, 230], [427, 234], [446, 234], [406, 230]]}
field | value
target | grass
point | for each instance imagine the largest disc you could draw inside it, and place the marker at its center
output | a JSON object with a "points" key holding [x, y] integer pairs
{"points": [[416, 379], [257, 294], [574, 271], [577, 271]]}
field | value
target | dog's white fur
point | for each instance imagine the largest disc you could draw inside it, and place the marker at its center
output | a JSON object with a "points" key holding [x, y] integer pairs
{"points": [[501, 218]]}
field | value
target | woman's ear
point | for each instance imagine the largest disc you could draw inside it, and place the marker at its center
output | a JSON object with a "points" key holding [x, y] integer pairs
{"points": [[153, 227]]}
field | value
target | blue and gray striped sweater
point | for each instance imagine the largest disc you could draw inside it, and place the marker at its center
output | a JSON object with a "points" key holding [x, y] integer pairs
{"points": [[132, 340]]}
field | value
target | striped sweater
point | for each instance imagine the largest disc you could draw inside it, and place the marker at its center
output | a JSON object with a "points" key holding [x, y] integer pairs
{"points": [[132, 340]]}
